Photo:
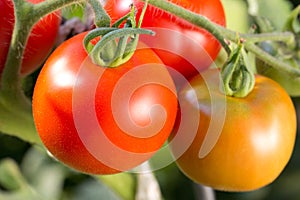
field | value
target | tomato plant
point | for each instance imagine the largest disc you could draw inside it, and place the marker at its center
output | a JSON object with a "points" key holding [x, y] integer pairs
{"points": [[102, 120], [255, 142], [176, 39], [40, 42], [134, 106]]}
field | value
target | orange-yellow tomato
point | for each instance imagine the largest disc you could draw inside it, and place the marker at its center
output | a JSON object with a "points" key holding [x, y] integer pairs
{"points": [[241, 144]]}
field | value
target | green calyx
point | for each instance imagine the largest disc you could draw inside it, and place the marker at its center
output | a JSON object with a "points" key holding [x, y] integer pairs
{"points": [[116, 45], [238, 79]]}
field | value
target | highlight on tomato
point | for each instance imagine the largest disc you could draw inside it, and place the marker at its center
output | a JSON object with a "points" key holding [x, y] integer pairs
{"points": [[40, 42], [170, 41], [241, 144], [102, 120]]}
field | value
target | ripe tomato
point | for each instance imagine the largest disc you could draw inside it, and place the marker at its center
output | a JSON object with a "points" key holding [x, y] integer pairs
{"points": [[241, 144], [40, 42], [103, 120], [182, 46]]}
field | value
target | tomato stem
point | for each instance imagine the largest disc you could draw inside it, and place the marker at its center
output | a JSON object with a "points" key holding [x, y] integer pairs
{"points": [[26, 15], [15, 107], [287, 37], [11, 76], [49, 6], [102, 19], [193, 18], [272, 61]]}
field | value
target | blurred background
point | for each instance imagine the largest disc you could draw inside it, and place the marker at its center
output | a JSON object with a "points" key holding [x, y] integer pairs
{"points": [[28, 173]]}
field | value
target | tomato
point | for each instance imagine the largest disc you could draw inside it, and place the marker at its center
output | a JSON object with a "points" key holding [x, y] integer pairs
{"points": [[103, 120], [240, 144], [40, 42], [182, 46]]}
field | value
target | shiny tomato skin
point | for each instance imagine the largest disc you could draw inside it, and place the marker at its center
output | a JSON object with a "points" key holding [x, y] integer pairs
{"points": [[255, 142], [194, 42], [57, 105], [40, 42]]}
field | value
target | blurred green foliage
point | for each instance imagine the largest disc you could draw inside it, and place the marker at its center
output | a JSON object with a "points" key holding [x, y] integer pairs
{"points": [[28, 173]]}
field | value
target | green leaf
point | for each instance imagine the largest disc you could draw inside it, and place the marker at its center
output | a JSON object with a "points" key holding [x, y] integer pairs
{"points": [[16, 117]]}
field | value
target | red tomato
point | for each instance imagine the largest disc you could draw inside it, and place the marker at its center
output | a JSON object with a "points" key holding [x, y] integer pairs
{"points": [[103, 120], [182, 46], [40, 42], [240, 144]]}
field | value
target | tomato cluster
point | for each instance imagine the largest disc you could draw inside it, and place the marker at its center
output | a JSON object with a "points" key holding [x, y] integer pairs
{"points": [[103, 120], [135, 120]]}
